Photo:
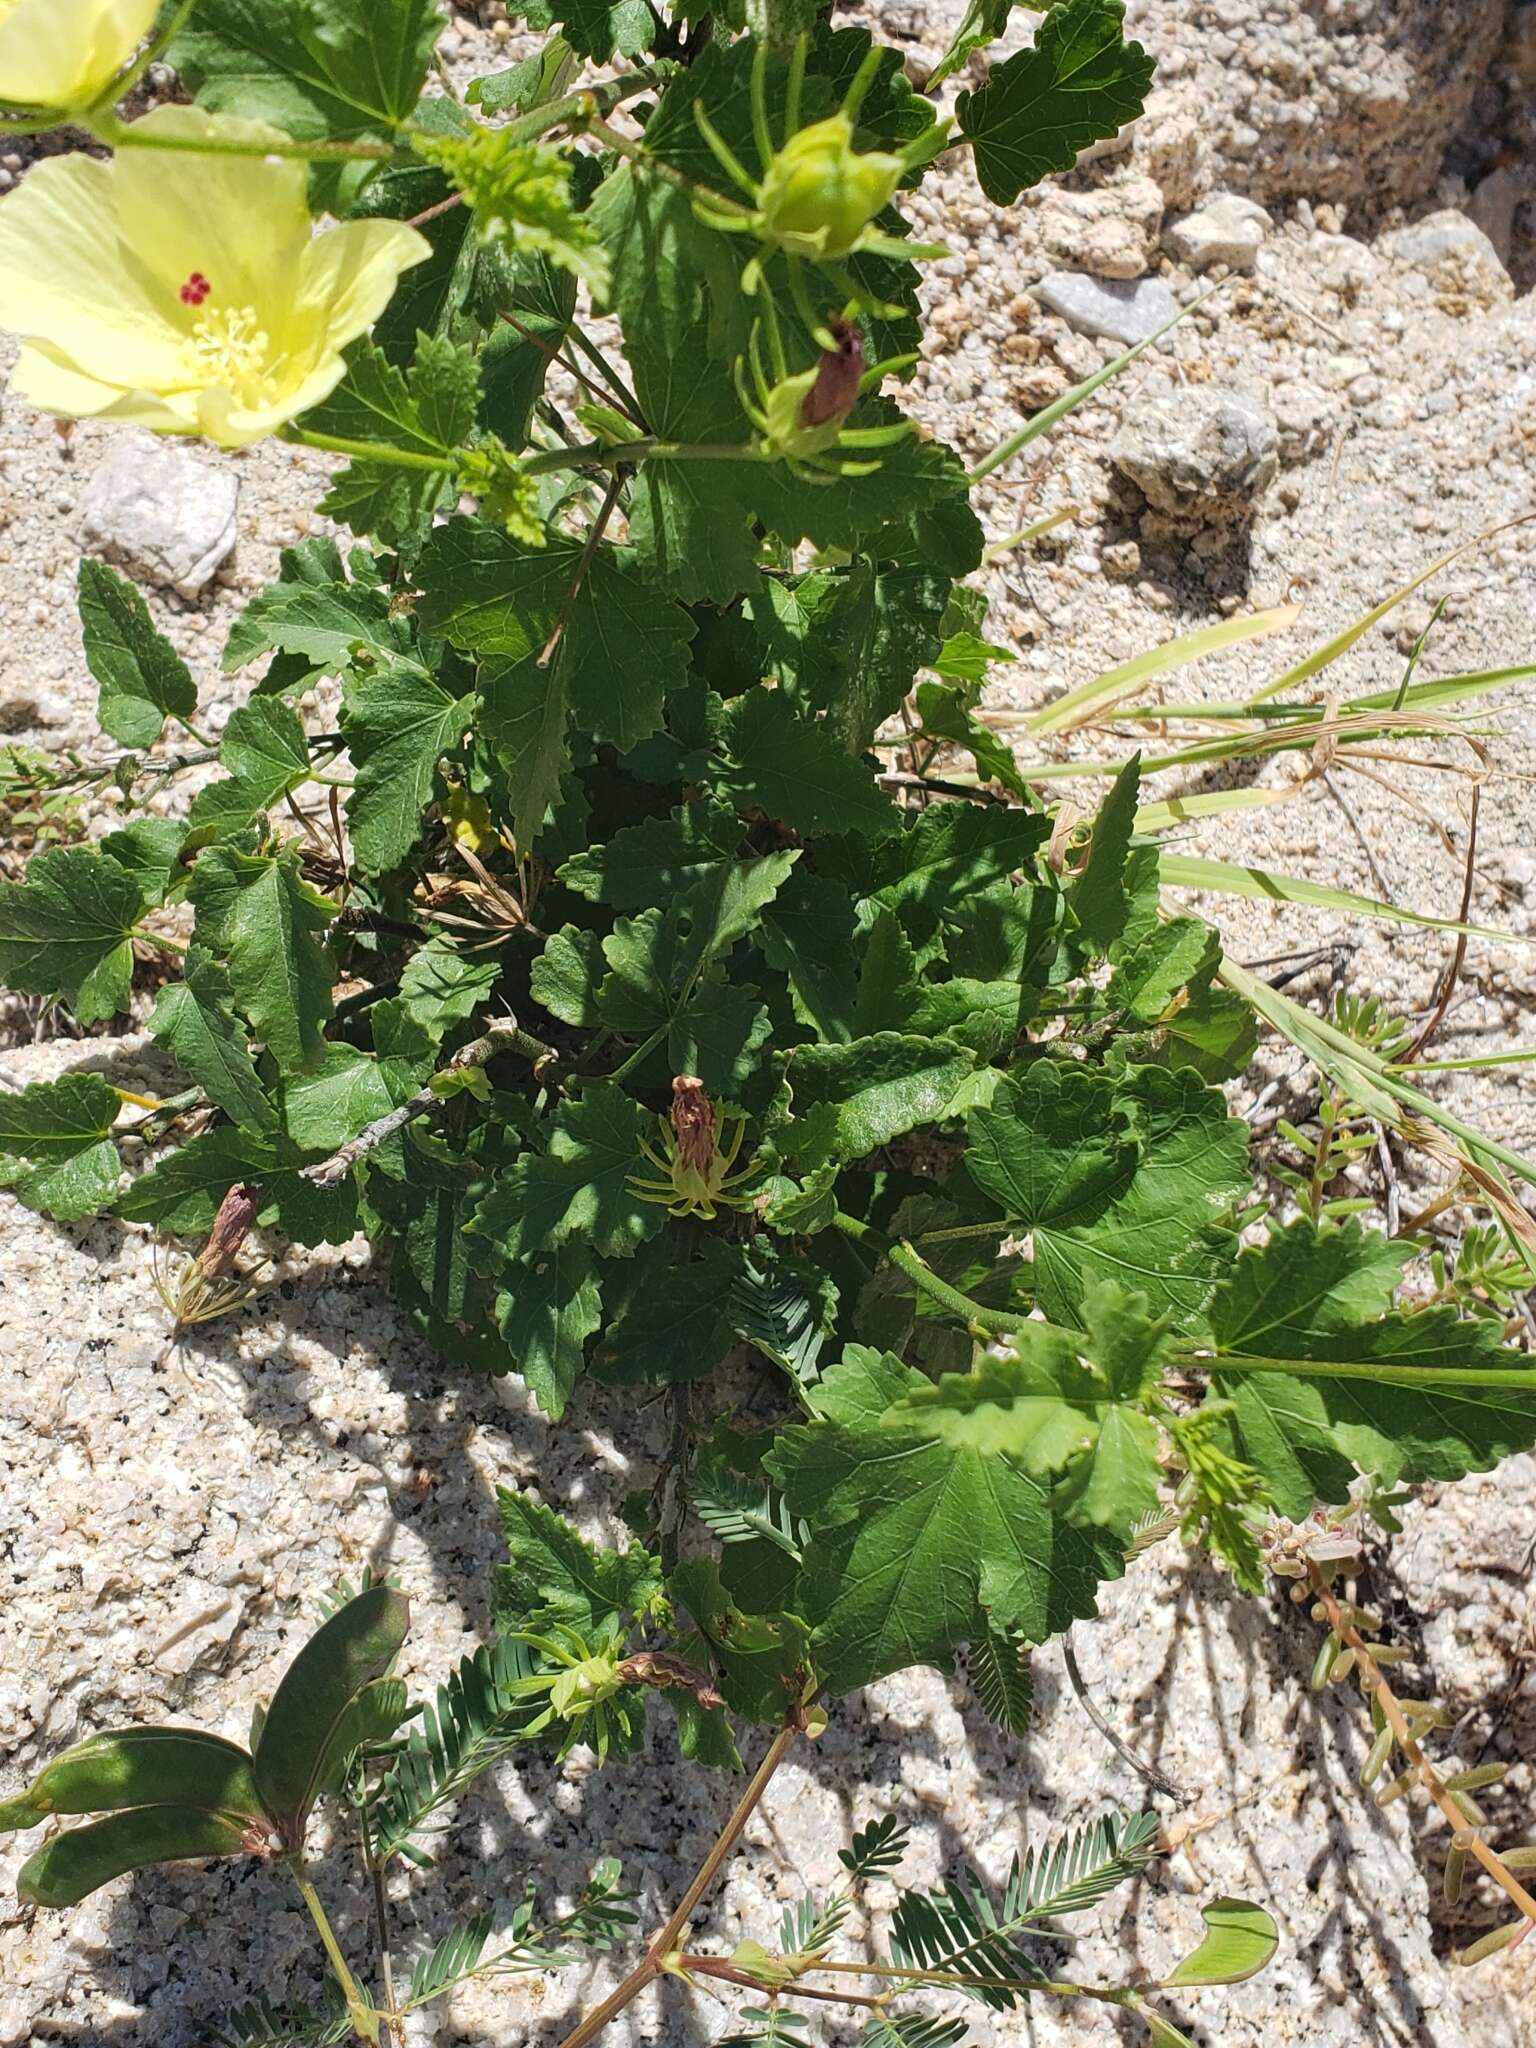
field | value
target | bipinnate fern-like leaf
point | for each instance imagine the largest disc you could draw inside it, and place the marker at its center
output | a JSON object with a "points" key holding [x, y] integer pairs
{"points": [[959, 1929], [456, 1956], [911, 2030], [261, 2024], [736, 1508], [998, 1665], [479, 1716], [876, 1848]]}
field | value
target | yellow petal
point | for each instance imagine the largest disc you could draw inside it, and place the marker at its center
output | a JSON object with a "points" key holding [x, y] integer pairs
{"points": [[64, 277], [65, 53], [241, 221], [53, 384], [348, 276]]}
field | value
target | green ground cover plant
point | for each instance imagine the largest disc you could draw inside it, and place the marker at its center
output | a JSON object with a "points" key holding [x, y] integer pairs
{"points": [[600, 960]]}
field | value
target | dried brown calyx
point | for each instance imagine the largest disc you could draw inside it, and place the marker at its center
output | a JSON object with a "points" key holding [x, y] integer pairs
{"points": [[836, 389], [693, 1122]]}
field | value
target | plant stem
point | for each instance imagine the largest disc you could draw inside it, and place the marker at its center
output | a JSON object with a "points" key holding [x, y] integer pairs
{"points": [[727, 1972], [500, 1038], [381, 1920], [996, 1322], [1375, 1683], [746, 1806], [650, 1964], [1001, 1323], [364, 2019], [370, 451], [1517, 1380], [117, 134]]}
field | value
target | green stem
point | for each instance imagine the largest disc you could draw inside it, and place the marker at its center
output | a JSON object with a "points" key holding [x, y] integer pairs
{"points": [[996, 1322], [364, 2019], [584, 106], [1000, 1323], [1221, 1365], [598, 455], [957, 1979], [107, 128], [370, 451]]}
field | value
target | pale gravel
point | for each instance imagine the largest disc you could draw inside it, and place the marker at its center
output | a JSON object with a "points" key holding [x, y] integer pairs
{"points": [[172, 1515]]}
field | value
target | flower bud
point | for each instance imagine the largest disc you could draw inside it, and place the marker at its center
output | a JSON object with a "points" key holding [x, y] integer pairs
{"points": [[834, 391], [820, 193]]}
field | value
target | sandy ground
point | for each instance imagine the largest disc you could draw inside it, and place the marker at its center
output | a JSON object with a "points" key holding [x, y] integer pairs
{"points": [[172, 1516]]}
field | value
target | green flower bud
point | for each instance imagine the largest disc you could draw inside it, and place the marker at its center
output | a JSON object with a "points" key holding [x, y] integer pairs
{"points": [[820, 193]]}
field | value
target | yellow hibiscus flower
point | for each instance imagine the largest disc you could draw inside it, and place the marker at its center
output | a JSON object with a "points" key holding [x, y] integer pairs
{"points": [[183, 291], [65, 53]]}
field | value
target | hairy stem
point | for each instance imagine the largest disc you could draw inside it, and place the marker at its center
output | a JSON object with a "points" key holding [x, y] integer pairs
{"points": [[1376, 1686], [500, 1038], [661, 1949]]}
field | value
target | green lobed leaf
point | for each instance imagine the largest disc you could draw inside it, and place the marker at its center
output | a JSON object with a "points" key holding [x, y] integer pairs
{"points": [[790, 769], [621, 645], [266, 753], [319, 73], [1099, 898], [317, 616], [348, 1090], [57, 1153], [264, 921], [599, 29], [441, 987], [1065, 1405], [142, 679], [916, 1548], [850, 1099], [1079, 82], [578, 1188], [524, 719], [552, 1568], [547, 1309], [65, 931], [426, 410], [398, 722], [670, 1319], [192, 1021], [149, 849], [653, 861], [1132, 1178], [1310, 1296]]}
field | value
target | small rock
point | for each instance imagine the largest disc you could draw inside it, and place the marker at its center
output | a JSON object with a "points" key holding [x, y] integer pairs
{"points": [[163, 510], [1201, 453], [1110, 232], [1038, 386], [1121, 561], [1123, 310], [1228, 229], [1492, 208], [1166, 145], [1452, 250]]}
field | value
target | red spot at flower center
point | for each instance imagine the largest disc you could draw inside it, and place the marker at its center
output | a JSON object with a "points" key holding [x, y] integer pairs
{"points": [[195, 290]]}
